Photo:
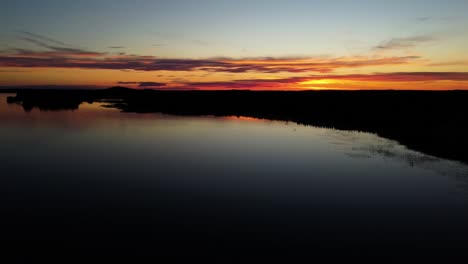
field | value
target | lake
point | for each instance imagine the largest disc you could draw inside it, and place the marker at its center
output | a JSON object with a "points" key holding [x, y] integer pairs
{"points": [[100, 182]]}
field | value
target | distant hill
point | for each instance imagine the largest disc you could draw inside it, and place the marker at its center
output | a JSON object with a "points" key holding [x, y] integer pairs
{"points": [[119, 89]]}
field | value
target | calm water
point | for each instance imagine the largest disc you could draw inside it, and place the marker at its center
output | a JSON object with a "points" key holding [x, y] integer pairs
{"points": [[97, 181]]}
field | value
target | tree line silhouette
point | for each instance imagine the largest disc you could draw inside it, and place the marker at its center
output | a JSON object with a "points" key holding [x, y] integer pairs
{"points": [[433, 122]]}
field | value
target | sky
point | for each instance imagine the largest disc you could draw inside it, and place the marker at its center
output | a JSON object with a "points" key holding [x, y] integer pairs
{"points": [[220, 44]]}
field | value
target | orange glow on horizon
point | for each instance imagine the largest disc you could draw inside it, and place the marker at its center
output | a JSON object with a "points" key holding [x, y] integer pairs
{"points": [[207, 80], [320, 81], [312, 84]]}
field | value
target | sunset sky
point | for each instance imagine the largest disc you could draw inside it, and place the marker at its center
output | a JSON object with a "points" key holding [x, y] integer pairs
{"points": [[220, 44]]}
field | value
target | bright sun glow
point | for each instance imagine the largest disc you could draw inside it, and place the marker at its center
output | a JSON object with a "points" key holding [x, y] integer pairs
{"points": [[314, 82], [321, 84]]}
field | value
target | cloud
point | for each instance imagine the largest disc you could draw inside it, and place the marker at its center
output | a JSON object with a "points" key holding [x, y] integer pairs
{"points": [[151, 84], [403, 43], [257, 84], [401, 76], [288, 83], [51, 45], [59, 57], [422, 19], [67, 57], [298, 83], [144, 84], [128, 82], [53, 53], [432, 19], [55, 87], [116, 47], [43, 38], [12, 71], [450, 63]]}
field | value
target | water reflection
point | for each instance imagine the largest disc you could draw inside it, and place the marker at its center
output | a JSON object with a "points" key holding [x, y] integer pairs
{"points": [[367, 146], [137, 182], [248, 152]]}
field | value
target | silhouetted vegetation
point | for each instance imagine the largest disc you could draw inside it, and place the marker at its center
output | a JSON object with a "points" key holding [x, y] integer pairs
{"points": [[6, 90], [428, 121]]}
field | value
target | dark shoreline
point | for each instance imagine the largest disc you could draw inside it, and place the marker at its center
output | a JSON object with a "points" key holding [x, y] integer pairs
{"points": [[433, 122]]}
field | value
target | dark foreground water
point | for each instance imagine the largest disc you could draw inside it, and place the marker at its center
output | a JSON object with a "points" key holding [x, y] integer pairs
{"points": [[99, 185]]}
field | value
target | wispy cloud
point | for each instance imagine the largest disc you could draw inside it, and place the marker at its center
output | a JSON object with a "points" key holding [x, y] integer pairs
{"points": [[398, 77], [408, 42], [116, 47], [424, 19], [144, 84], [54, 46], [434, 19], [296, 82], [76, 58], [12, 71], [257, 84], [58, 56], [42, 38], [450, 63]]}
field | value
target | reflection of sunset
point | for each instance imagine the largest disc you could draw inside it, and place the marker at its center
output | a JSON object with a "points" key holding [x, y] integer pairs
{"points": [[241, 118], [95, 107]]}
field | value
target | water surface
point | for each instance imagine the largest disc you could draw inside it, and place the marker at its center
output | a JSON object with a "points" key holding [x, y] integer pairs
{"points": [[98, 181]]}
